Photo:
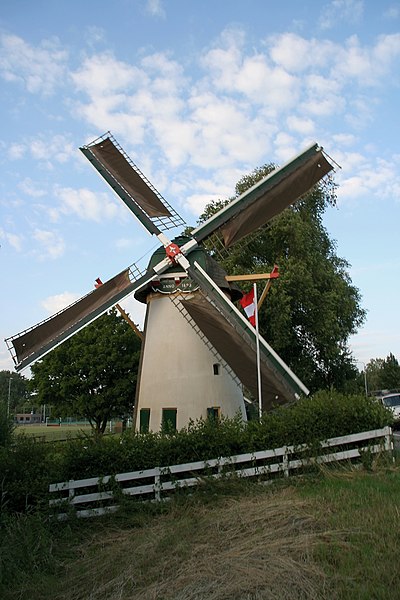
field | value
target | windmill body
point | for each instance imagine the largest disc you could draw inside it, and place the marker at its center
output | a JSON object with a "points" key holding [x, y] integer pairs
{"points": [[199, 349], [182, 376]]}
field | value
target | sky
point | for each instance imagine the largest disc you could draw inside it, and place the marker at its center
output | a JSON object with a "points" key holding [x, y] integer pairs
{"points": [[198, 93]]}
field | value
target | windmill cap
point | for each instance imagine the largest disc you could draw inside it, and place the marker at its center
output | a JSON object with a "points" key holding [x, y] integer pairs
{"points": [[201, 256]]}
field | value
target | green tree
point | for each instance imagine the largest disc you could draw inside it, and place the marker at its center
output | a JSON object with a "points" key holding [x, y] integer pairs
{"points": [[13, 388], [313, 307], [390, 372], [6, 428], [93, 374], [373, 372], [383, 374]]}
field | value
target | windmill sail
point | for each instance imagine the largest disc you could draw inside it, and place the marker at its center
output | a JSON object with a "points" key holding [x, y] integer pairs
{"points": [[222, 323], [267, 198], [234, 339], [126, 179], [32, 344]]}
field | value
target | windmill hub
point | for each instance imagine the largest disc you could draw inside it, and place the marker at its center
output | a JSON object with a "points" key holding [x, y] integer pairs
{"points": [[172, 251], [176, 280]]}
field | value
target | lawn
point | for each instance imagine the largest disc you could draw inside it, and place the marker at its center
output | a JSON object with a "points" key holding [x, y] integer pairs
{"points": [[50, 433]]}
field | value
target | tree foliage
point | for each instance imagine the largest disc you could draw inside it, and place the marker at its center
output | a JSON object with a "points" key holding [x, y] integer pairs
{"points": [[93, 374], [313, 307], [16, 391], [383, 373], [6, 426]]}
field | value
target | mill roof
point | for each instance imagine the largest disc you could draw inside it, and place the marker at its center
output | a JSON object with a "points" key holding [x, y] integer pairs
{"points": [[203, 258]]}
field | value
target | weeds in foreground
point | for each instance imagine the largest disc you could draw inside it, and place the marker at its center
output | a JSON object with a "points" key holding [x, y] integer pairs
{"points": [[365, 505], [328, 536]]}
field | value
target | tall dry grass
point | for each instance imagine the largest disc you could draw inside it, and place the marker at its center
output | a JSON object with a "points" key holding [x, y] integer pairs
{"points": [[256, 547]]}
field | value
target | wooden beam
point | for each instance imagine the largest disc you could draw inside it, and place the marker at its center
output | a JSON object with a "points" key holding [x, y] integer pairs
{"points": [[250, 277], [129, 321], [264, 294], [123, 313]]}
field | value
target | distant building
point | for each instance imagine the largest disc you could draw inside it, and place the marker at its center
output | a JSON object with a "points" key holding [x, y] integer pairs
{"points": [[27, 418]]}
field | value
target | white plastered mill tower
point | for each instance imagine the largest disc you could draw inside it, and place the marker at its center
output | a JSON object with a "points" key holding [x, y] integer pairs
{"points": [[196, 381]]}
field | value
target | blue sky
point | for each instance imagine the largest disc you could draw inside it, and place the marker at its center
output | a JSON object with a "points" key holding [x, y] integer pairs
{"points": [[198, 93]]}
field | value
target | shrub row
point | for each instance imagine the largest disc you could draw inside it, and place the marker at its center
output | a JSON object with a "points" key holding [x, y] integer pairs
{"points": [[27, 467], [311, 420]]}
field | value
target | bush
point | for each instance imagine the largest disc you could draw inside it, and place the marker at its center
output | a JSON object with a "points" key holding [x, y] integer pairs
{"points": [[202, 440], [311, 420], [316, 418], [26, 469]]}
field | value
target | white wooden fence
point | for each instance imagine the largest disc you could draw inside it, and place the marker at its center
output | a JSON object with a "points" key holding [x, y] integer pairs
{"points": [[97, 495]]}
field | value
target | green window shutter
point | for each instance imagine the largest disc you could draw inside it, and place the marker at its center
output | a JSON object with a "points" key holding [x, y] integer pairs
{"points": [[144, 420], [169, 419]]}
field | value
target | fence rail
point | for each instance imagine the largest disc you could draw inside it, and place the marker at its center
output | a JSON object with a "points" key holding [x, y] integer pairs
{"points": [[97, 495]]}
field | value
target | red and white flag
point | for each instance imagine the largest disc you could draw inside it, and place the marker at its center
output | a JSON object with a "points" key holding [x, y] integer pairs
{"points": [[249, 306]]}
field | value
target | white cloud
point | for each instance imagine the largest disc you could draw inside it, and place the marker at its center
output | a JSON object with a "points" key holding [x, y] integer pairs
{"points": [[296, 54], [285, 147], [85, 204], [16, 151], [248, 107], [197, 202], [393, 12], [344, 139], [328, 65], [362, 179], [57, 148], [54, 304], [337, 11], [155, 8], [31, 188], [40, 69], [103, 74], [255, 77], [124, 243], [366, 66], [47, 150], [6, 362], [51, 244], [13, 239], [304, 126]]}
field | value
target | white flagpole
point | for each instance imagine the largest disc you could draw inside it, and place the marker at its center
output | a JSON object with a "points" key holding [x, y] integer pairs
{"points": [[258, 352]]}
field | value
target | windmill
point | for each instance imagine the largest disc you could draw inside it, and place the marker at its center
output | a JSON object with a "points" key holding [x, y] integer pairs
{"points": [[199, 350]]}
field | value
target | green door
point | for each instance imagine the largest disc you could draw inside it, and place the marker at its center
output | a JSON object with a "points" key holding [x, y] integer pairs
{"points": [[213, 413], [168, 419], [144, 420]]}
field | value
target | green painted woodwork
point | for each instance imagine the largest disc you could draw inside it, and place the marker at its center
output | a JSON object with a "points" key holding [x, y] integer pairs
{"points": [[144, 420]]}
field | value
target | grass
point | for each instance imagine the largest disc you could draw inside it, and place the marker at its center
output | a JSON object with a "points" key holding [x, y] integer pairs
{"points": [[363, 563], [243, 548], [51, 433], [332, 536]]}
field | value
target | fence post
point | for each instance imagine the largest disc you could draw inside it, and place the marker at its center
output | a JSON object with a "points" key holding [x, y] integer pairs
{"points": [[389, 446], [157, 484], [285, 462], [71, 489]]}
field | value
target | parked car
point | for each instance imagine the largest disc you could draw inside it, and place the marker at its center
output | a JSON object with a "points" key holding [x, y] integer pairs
{"points": [[392, 401]]}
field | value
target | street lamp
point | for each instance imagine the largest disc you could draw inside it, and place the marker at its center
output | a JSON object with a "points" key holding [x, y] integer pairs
{"points": [[365, 376]]}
